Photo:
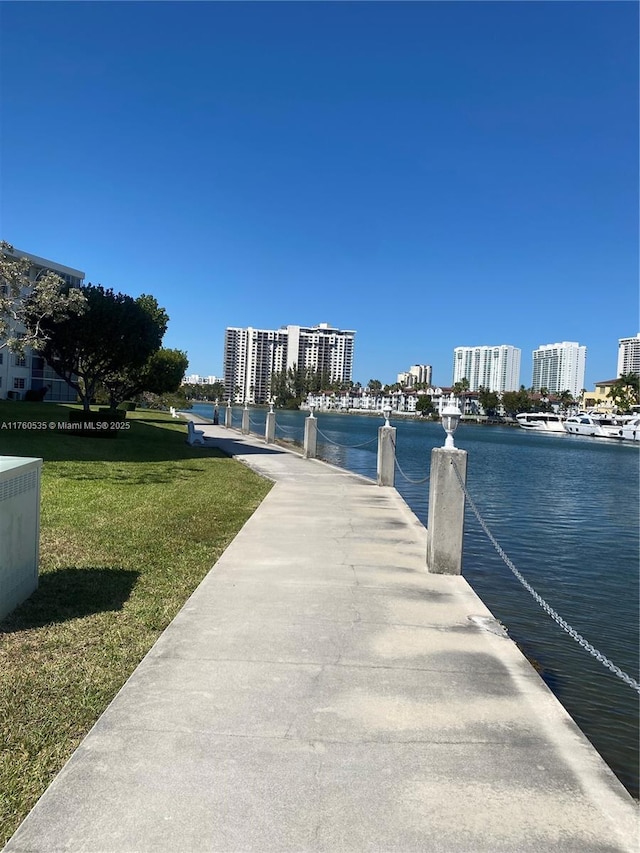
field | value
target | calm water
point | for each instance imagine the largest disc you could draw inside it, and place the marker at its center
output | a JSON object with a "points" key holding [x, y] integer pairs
{"points": [[565, 510]]}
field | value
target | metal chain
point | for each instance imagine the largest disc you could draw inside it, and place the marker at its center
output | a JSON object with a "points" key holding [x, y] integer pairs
{"points": [[408, 479], [346, 446], [540, 600]]}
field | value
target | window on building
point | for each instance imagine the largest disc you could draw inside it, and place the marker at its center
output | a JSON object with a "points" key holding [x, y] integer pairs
{"points": [[20, 361], [18, 383]]}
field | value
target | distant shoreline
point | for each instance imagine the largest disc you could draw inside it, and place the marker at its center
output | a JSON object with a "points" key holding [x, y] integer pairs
{"points": [[478, 420]]}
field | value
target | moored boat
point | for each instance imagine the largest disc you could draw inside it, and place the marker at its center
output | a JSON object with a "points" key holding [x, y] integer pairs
{"points": [[630, 429], [541, 422], [593, 424]]}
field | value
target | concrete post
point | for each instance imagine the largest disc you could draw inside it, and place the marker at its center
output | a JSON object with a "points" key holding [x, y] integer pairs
{"points": [[270, 428], [245, 421], [445, 522], [228, 416], [310, 437], [386, 455]]}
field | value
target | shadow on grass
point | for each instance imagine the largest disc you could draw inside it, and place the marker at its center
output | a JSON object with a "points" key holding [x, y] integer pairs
{"points": [[70, 594], [150, 436]]}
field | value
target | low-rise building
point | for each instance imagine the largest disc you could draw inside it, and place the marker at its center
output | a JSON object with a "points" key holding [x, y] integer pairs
{"points": [[20, 373]]}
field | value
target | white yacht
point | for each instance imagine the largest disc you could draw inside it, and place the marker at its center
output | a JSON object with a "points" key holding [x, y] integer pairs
{"points": [[541, 422], [630, 429], [593, 424]]}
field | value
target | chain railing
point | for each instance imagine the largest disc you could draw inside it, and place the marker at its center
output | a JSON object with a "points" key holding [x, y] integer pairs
{"points": [[402, 473], [580, 640], [289, 433], [346, 446]]}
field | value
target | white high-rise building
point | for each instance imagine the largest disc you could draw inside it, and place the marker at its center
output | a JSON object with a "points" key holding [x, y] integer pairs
{"points": [[252, 356], [496, 368], [629, 355], [559, 367]]}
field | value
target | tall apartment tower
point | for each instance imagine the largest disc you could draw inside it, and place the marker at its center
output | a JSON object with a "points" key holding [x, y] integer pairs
{"points": [[252, 356], [496, 368], [559, 367], [629, 355], [29, 371]]}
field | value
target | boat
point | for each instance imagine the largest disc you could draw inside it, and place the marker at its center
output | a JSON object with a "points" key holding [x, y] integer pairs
{"points": [[593, 424], [630, 429], [541, 422]]}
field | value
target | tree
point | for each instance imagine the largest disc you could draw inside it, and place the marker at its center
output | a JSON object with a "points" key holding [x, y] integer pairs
{"points": [[514, 402], [48, 297], [489, 400], [374, 386], [114, 334], [424, 404], [625, 392], [162, 373], [460, 390], [565, 399], [158, 373]]}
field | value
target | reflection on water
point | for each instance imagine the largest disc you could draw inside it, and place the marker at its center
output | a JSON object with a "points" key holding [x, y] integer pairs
{"points": [[565, 510]]}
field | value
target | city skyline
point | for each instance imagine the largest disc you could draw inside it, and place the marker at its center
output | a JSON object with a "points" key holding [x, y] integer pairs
{"points": [[429, 174]]}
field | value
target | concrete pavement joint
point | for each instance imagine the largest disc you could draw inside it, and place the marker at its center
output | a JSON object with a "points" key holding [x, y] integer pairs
{"points": [[413, 728]]}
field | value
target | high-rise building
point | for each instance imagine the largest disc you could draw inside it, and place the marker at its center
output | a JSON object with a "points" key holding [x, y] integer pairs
{"points": [[496, 368], [629, 355], [252, 356], [559, 367], [20, 372], [418, 374]]}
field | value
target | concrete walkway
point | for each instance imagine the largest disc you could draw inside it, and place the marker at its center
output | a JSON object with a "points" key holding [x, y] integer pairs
{"points": [[321, 692]]}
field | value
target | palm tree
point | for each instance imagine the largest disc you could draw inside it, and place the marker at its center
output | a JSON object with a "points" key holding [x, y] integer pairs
{"points": [[460, 390], [565, 398]]}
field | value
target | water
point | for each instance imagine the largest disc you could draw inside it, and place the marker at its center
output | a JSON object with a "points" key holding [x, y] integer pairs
{"points": [[565, 510]]}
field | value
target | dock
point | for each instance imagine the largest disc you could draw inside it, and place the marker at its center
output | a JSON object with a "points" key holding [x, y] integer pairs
{"points": [[321, 691]]}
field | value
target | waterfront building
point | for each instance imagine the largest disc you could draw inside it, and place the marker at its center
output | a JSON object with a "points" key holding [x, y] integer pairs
{"points": [[28, 370], [196, 379], [496, 368], [252, 356], [599, 398], [559, 367], [359, 401], [629, 355]]}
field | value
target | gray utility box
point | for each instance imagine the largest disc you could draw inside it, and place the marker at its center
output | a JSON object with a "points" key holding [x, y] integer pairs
{"points": [[19, 529]]}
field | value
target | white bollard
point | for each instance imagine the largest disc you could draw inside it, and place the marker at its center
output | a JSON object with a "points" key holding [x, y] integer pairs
{"points": [[445, 523], [386, 469]]}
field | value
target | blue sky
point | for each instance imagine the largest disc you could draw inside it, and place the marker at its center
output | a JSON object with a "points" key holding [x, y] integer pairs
{"points": [[428, 174]]}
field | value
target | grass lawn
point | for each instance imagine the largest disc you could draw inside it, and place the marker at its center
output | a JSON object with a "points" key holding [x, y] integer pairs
{"points": [[129, 526]]}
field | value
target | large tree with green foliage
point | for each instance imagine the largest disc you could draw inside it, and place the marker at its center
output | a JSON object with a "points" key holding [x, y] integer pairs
{"points": [[489, 400], [115, 333], [424, 404], [162, 373], [514, 402]]}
